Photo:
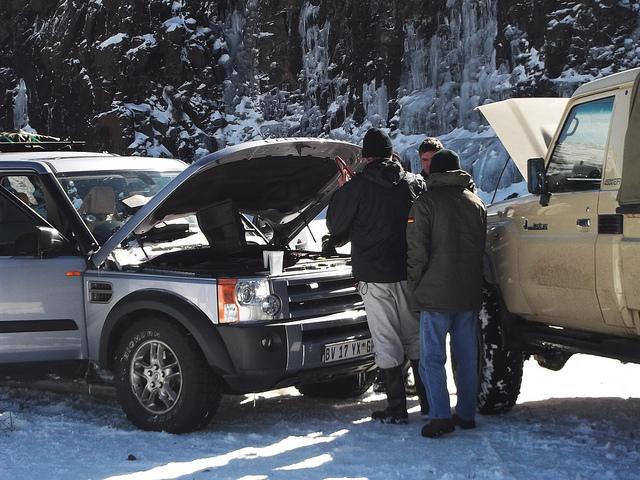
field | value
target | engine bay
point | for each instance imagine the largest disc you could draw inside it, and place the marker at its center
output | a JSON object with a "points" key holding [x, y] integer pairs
{"points": [[207, 262]]}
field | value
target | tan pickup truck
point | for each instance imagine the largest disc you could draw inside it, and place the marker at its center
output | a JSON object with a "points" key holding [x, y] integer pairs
{"points": [[563, 263]]}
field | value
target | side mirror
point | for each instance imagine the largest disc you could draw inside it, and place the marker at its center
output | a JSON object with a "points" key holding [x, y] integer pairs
{"points": [[536, 181], [50, 241]]}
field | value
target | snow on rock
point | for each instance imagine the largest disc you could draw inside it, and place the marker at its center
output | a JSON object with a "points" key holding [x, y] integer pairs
{"points": [[321, 69], [113, 40], [175, 23], [148, 41]]}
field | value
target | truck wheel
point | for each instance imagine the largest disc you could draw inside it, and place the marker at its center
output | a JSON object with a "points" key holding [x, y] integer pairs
{"points": [[162, 380], [500, 370], [343, 387]]}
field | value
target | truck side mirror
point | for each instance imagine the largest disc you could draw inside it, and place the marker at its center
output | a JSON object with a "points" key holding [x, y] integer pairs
{"points": [[50, 241], [536, 181]]}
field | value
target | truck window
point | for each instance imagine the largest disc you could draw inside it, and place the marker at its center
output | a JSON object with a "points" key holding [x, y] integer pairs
{"points": [[578, 157]]}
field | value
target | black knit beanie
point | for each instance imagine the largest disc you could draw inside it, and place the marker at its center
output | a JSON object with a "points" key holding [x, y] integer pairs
{"points": [[376, 144], [444, 161]]}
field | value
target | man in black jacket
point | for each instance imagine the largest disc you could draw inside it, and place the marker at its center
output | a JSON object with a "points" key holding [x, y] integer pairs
{"points": [[371, 211]]}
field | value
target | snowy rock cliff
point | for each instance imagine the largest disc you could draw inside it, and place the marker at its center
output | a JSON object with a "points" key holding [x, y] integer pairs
{"points": [[183, 78]]}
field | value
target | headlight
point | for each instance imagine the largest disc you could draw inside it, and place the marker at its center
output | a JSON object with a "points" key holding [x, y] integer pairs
{"points": [[246, 300], [271, 305], [251, 292]]}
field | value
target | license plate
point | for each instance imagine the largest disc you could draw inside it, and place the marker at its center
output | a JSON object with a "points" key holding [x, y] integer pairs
{"points": [[335, 352]]}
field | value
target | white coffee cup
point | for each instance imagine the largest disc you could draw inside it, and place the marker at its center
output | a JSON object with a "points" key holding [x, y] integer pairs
{"points": [[275, 262], [265, 258]]}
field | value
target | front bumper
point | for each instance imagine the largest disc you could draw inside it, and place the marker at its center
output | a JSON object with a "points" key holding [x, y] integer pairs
{"points": [[268, 356]]}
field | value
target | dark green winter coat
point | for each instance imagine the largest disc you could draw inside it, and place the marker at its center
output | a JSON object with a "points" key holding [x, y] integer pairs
{"points": [[445, 239]]}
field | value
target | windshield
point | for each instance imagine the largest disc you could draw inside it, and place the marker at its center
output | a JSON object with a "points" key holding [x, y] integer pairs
{"points": [[105, 200]]}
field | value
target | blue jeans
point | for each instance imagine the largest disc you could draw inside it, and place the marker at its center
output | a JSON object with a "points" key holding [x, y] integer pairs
{"points": [[463, 327]]}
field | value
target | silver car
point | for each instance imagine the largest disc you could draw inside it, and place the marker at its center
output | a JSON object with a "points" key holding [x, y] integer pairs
{"points": [[154, 270]]}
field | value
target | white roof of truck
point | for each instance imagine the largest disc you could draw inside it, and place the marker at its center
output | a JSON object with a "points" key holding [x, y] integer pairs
{"points": [[611, 81], [69, 162]]}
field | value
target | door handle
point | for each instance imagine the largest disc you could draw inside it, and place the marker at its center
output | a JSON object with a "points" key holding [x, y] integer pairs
{"points": [[583, 222]]}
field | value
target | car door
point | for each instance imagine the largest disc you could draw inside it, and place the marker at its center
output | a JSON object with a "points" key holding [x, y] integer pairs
{"points": [[556, 254], [616, 257], [41, 297]]}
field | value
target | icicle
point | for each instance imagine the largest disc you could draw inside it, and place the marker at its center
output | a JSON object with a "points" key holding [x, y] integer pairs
{"points": [[315, 51], [446, 76], [20, 106], [375, 103]]}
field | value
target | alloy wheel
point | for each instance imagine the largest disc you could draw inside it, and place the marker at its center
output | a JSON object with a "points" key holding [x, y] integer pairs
{"points": [[156, 376]]}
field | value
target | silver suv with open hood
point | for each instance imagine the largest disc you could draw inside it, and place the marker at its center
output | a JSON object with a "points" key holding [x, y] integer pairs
{"points": [[154, 270]]}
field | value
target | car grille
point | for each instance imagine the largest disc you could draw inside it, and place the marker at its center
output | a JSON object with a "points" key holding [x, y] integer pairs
{"points": [[311, 297]]}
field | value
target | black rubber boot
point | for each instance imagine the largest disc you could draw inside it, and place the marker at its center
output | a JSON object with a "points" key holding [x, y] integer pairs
{"points": [[420, 389], [396, 411], [409, 388]]}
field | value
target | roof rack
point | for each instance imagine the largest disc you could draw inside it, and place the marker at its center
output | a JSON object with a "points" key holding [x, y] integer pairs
{"points": [[22, 141], [39, 146]]}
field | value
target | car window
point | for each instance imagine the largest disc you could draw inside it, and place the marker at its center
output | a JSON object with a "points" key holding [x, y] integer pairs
{"points": [[29, 190], [105, 200], [18, 235], [578, 157]]}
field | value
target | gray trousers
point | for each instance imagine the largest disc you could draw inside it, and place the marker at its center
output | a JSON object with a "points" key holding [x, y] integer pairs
{"points": [[395, 328]]}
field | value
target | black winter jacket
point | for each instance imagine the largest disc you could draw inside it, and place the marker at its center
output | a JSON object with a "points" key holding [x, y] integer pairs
{"points": [[371, 211], [446, 237]]}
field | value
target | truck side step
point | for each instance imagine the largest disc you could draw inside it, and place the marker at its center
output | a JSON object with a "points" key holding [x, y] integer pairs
{"points": [[534, 336]]}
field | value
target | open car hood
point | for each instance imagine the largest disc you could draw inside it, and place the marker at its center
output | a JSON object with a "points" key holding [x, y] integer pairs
{"points": [[286, 181], [525, 126]]}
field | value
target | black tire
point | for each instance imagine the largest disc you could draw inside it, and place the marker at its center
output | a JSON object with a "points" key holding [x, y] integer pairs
{"points": [[190, 397], [344, 387], [500, 370]]}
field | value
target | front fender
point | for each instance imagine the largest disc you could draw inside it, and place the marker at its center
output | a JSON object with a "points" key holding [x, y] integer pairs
{"points": [[188, 315]]}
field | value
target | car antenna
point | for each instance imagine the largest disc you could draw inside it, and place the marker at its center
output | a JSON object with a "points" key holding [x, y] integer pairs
{"points": [[495, 190]]}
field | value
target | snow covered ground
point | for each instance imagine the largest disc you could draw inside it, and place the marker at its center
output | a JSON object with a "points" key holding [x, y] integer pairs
{"points": [[580, 423]]}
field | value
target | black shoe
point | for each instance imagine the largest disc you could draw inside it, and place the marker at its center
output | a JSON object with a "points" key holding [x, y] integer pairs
{"points": [[389, 416], [438, 427], [462, 423]]}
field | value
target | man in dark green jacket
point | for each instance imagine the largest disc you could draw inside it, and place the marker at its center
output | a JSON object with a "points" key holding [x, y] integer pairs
{"points": [[445, 239]]}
